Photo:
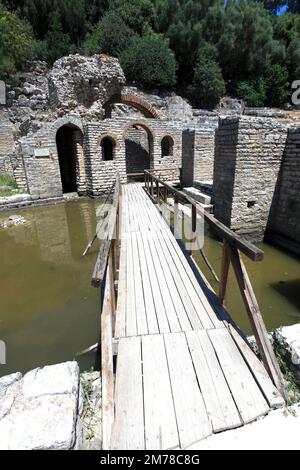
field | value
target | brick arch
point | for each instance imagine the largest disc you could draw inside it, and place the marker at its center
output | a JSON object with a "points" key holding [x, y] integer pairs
{"points": [[139, 103], [65, 121]]}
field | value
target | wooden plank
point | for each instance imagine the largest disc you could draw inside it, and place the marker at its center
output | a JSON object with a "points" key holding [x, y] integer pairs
{"points": [[107, 364], [161, 277], [131, 324], [150, 307], [192, 419], [257, 323], [185, 297], [174, 289], [160, 421], [270, 392], [128, 429], [218, 400], [203, 308], [140, 309], [246, 393], [156, 291]]}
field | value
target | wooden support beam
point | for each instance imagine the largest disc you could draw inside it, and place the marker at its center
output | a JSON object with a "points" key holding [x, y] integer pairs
{"points": [[258, 327], [224, 272]]}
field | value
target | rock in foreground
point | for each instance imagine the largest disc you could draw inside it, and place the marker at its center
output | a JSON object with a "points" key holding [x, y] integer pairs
{"points": [[42, 409]]}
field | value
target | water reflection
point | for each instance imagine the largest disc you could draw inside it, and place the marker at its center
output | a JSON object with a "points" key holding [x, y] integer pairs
{"points": [[48, 311]]}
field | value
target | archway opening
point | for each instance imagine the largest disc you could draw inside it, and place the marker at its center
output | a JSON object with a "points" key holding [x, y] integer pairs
{"points": [[107, 148], [67, 138], [167, 146], [138, 146]]}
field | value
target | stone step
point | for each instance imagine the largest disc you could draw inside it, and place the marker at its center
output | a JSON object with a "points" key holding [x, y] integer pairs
{"points": [[198, 195]]}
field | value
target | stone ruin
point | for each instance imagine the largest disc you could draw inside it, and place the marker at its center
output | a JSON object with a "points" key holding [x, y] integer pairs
{"points": [[70, 128]]}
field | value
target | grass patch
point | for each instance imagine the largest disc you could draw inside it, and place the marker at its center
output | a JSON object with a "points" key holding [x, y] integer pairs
{"points": [[8, 180], [8, 185], [282, 354]]}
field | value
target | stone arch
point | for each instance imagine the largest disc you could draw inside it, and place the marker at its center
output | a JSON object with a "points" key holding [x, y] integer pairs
{"points": [[138, 138], [167, 145], [68, 135], [133, 100], [66, 121]]}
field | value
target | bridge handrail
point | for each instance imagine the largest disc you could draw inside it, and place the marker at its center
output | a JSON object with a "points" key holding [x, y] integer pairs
{"points": [[232, 245], [250, 250], [104, 277]]}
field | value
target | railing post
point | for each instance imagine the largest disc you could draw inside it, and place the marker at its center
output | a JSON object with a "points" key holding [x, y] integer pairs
{"points": [[224, 272], [151, 182], [165, 194], [157, 191]]}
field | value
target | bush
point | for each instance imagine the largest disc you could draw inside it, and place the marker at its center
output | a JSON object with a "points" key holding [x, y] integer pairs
{"points": [[277, 85], [208, 84], [252, 91], [150, 61]]}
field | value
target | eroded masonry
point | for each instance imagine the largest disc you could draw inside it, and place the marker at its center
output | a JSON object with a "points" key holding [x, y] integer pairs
{"points": [[69, 129]]}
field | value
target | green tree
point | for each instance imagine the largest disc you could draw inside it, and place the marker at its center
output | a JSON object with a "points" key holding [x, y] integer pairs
{"points": [[150, 61], [139, 15], [277, 85], [16, 44], [104, 38], [208, 83]]}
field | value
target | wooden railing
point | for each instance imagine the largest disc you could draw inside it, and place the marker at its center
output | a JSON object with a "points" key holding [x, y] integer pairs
{"points": [[104, 277], [233, 245]]}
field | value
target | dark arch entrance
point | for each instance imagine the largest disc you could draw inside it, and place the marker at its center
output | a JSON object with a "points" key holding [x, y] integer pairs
{"points": [[66, 141], [139, 149]]}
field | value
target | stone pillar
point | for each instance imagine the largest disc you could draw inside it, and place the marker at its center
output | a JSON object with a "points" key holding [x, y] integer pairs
{"points": [[81, 177], [188, 155], [248, 156]]}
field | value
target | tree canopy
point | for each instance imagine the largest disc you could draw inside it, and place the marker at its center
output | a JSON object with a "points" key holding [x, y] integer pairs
{"points": [[246, 48]]}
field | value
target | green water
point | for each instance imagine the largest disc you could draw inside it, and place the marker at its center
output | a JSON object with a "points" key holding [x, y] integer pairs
{"points": [[275, 280], [48, 311]]}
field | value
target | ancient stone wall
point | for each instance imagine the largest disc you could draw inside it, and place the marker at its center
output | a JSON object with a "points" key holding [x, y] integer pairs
{"points": [[101, 174], [285, 214], [247, 163]]}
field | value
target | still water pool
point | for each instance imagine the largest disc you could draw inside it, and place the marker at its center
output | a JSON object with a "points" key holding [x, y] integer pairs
{"points": [[49, 312], [48, 309]]}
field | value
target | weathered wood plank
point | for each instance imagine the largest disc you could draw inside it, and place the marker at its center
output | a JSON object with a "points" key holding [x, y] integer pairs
{"points": [[246, 393], [160, 421], [218, 400], [128, 429], [192, 419], [261, 376]]}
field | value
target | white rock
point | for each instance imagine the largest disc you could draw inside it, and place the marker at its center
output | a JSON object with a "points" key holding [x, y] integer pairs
{"points": [[56, 379], [47, 422]]}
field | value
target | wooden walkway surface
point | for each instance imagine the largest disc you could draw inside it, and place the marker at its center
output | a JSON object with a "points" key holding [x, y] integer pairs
{"points": [[182, 373]]}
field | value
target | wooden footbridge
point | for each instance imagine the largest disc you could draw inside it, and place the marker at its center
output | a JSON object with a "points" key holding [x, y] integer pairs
{"points": [[175, 367]]}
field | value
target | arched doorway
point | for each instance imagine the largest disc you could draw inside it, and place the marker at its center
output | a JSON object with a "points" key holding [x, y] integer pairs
{"points": [[138, 148], [68, 137]]}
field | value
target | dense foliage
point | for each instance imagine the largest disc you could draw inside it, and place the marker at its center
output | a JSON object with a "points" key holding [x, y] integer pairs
{"points": [[246, 48]]}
